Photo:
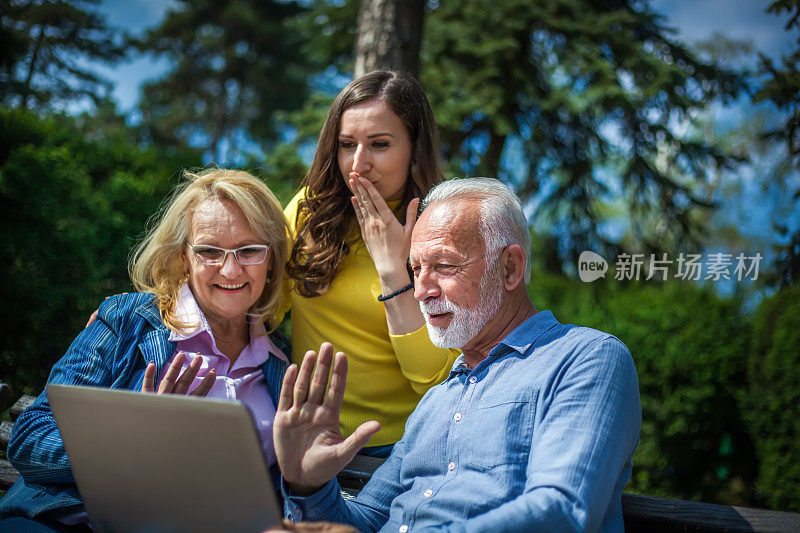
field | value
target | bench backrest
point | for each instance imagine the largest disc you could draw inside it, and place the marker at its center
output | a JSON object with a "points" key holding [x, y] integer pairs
{"points": [[641, 513]]}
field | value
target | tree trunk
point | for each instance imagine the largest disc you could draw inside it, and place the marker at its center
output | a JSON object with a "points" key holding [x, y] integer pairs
{"points": [[389, 35], [490, 162]]}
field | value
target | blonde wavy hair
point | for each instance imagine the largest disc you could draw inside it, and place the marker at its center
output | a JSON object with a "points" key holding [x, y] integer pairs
{"points": [[155, 265]]}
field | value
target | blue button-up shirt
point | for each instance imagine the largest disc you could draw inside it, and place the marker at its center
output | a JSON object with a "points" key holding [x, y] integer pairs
{"points": [[538, 436]]}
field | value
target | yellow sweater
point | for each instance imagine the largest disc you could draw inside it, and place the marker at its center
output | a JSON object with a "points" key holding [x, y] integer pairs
{"points": [[387, 374]]}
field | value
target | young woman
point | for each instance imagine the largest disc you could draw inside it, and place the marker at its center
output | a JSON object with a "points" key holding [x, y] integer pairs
{"points": [[377, 156]]}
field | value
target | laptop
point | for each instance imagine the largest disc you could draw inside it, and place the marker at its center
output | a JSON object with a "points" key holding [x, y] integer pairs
{"points": [[164, 463]]}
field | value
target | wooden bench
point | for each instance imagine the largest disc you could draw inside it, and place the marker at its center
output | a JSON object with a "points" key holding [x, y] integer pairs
{"points": [[644, 514], [9, 474]]}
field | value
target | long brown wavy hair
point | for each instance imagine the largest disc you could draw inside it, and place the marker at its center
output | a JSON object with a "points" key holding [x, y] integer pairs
{"points": [[325, 217]]}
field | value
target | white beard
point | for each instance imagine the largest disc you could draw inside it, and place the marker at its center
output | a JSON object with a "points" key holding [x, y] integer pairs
{"points": [[465, 324]]}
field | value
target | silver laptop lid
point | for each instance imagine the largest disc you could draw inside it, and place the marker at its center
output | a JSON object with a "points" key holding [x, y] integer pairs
{"points": [[159, 463]]}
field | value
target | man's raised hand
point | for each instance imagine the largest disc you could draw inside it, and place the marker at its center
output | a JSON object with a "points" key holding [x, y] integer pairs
{"points": [[308, 444]]}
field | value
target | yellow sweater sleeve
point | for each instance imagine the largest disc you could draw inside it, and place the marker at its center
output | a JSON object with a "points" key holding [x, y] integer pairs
{"points": [[422, 363]]}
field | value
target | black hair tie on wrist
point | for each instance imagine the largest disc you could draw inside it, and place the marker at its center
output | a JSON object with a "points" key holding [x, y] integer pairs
{"points": [[383, 298]]}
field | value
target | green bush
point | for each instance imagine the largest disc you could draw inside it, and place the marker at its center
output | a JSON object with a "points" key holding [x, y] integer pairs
{"points": [[689, 346], [772, 401], [72, 208]]}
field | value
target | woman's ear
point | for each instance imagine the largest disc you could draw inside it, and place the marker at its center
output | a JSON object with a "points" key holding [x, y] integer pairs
{"points": [[512, 266], [185, 259]]}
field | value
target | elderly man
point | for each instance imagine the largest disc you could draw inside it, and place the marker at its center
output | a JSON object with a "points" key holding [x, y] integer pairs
{"points": [[533, 430]]}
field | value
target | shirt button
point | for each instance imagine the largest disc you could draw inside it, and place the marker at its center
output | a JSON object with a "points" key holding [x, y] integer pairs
{"points": [[428, 493], [403, 528], [451, 466], [457, 417], [473, 379]]}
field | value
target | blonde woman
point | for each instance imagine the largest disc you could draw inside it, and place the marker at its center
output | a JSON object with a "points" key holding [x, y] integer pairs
{"points": [[209, 274]]}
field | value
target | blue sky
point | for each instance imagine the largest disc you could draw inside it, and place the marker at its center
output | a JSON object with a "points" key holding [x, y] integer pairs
{"points": [[739, 19], [133, 16]]}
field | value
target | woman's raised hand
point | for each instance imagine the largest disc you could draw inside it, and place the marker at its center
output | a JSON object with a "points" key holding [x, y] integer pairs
{"points": [[177, 382], [308, 444], [387, 241]]}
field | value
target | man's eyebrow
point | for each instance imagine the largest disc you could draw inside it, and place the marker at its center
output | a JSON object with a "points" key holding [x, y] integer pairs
{"points": [[439, 255]]}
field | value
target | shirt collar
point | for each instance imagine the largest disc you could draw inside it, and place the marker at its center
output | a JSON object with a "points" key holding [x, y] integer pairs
{"points": [[526, 334], [187, 312], [520, 340]]}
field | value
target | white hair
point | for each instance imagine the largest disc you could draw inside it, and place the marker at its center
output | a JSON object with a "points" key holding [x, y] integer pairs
{"points": [[502, 219]]}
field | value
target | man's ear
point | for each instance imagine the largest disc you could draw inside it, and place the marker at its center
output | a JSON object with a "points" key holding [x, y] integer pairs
{"points": [[512, 266]]}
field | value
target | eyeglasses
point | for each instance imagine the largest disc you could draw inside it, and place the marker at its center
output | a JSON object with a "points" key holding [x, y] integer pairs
{"points": [[252, 254]]}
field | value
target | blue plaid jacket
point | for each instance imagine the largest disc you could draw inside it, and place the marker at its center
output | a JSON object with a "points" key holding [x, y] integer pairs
{"points": [[113, 352]]}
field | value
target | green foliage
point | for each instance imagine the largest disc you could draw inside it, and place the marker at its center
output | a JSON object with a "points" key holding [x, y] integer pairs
{"points": [[45, 49], [329, 28], [282, 171], [72, 210], [689, 346], [782, 85], [236, 63], [573, 102], [787, 262], [782, 88], [586, 92], [771, 403]]}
